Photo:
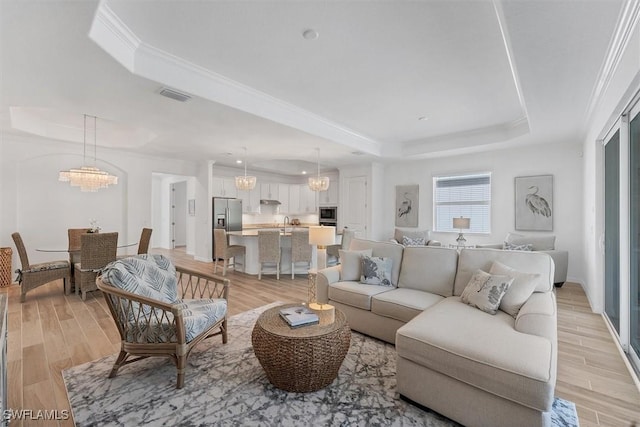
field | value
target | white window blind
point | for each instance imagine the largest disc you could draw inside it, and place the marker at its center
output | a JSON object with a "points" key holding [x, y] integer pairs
{"points": [[468, 196]]}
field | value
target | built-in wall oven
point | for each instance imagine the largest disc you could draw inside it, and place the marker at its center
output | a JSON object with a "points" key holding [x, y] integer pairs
{"points": [[328, 215]]}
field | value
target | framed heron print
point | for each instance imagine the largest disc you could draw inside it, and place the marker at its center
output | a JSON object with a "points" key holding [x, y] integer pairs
{"points": [[534, 203], [406, 205]]}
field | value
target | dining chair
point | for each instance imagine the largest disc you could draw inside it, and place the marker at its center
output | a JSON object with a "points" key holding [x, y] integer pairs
{"points": [[269, 250], [333, 254], [300, 249], [225, 252], [74, 250], [30, 276], [145, 238], [96, 251]]}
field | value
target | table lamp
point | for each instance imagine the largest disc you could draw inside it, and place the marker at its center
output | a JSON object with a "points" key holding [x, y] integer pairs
{"points": [[322, 236], [461, 224]]}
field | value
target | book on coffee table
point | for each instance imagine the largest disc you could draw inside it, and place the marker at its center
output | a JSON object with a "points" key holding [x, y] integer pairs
{"points": [[299, 316]]}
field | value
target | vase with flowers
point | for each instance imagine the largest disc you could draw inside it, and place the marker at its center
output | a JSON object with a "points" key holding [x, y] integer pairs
{"points": [[94, 227]]}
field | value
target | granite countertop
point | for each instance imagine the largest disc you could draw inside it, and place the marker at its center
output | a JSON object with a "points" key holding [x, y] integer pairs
{"points": [[254, 232], [272, 225]]}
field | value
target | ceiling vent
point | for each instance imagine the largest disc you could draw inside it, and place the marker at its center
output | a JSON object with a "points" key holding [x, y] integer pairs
{"points": [[174, 94]]}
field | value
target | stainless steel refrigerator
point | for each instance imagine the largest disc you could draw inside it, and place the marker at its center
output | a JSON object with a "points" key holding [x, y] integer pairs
{"points": [[227, 214]]}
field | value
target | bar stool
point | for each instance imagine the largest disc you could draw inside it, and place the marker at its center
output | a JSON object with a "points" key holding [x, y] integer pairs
{"points": [[269, 251], [225, 251], [300, 249], [333, 251]]}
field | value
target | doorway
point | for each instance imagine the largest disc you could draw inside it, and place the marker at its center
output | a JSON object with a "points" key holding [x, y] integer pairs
{"points": [[178, 211]]}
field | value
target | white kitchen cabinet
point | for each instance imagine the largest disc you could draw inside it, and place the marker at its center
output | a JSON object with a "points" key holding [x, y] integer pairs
{"points": [[269, 191], [250, 200], [224, 186], [307, 200], [329, 197], [294, 199], [283, 197]]}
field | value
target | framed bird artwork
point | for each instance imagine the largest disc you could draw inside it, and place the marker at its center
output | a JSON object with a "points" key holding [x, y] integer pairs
{"points": [[407, 205], [534, 203]]}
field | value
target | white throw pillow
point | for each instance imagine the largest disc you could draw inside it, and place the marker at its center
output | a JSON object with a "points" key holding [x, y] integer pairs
{"points": [[376, 270], [485, 291], [520, 290], [351, 263]]}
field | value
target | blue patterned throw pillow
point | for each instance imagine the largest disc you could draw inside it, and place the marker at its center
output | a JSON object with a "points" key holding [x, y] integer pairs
{"points": [[485, 291], [376, 271]]}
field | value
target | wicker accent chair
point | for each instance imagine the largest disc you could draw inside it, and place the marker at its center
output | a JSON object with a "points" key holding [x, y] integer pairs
{"points": [[145, 239], [225, 251], [300, 249], [96, 251], [30, 276], [162, 310], [269, 250], [333, 251]]}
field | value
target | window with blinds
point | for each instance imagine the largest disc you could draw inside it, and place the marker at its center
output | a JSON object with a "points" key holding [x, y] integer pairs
{"points": [[468, 196]]}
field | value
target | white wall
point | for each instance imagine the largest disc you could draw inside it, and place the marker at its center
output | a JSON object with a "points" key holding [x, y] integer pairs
{"points": [[41, 208], [624, 82], [562, 160]]}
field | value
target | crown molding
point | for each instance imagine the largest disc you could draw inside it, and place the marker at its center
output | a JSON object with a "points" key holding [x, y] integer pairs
{"points": [[112, 34], [467, 139], [625, 26]]}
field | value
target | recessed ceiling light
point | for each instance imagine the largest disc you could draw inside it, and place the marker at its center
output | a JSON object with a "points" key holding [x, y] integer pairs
{"points": [[304, 172], [238, 161], [310, 34], [423, 118]]}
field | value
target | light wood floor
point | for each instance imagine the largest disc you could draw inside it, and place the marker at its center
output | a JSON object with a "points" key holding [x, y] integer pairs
{"points": [[51, 332]]}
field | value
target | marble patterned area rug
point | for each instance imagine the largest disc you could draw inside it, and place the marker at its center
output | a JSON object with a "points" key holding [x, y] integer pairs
{"points": [[226, 386]]}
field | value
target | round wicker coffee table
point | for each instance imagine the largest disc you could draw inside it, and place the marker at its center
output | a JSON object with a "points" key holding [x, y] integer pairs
{"points": [[302, 359]]}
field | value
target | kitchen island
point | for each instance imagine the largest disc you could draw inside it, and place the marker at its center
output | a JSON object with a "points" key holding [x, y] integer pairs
{"points": [[249, 239]]}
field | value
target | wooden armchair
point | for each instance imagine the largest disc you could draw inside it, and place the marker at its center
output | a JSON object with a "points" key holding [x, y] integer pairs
{"points": [[168, 319]]}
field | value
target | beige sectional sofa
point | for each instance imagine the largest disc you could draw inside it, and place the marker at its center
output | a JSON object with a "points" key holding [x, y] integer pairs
{"points": [[539, 243], [473, 367]]}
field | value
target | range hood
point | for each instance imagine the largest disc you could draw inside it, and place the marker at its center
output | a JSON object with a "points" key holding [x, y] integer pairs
{"points": [[269, 202]]}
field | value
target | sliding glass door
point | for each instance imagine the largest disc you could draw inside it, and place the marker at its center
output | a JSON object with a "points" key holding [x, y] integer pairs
{"points": [[622, 230], [634, 237], [612, 229]]}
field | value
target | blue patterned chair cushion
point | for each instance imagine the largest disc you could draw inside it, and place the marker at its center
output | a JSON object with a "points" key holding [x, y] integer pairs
{"points": [[52, 265], [198, 316], [151, 276]]}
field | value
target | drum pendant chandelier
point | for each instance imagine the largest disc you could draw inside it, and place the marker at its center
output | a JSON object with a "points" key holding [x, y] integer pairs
{"points": [[245, 183], [319, 183], [88, 178]]}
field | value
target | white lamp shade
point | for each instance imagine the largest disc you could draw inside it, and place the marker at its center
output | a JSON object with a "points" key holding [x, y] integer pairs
{"points": [[320, 235], [462, 223]]}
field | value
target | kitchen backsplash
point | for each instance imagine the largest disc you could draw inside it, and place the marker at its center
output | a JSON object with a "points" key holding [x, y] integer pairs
{"points": [[271, 217]]}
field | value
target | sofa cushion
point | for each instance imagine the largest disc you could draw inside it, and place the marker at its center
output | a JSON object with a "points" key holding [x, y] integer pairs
{"points": [[481, 350], [429, 269], [539, 243], [403, 304], [382, 249], [351, 262], [471, 260], [355, 294], [520, 290], [376, 270], [485, 291]]}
